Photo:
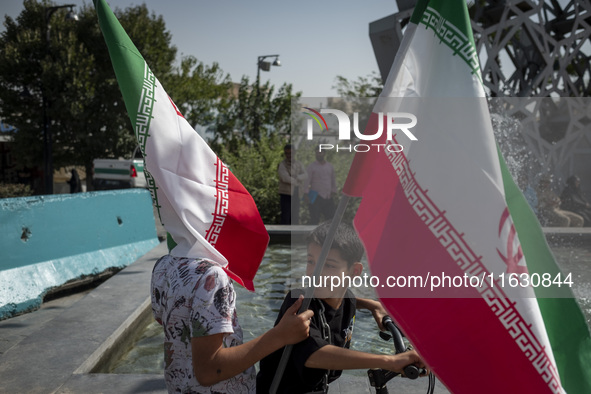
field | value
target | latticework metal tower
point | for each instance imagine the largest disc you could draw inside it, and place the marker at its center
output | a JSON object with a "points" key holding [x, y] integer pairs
{"points": [[538, 51]]}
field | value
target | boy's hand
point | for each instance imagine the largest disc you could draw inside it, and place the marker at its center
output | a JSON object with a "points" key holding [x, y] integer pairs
{"points": [[401, 360], [294, 328], [213, 362]]}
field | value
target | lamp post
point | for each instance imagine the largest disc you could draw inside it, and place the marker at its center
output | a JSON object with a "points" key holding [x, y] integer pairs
{"points": [[47, 138], [265, 66]]}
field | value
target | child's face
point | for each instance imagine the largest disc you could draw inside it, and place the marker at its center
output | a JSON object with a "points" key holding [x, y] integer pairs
{"points": [[335, 266]]}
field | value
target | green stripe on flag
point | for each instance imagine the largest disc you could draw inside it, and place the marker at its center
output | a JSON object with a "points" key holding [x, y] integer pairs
{"points": [[136, 82], [145, 108], [127, 61], [454, 36], [449, 10], [418, 12], [564, 321], [453, 28]]}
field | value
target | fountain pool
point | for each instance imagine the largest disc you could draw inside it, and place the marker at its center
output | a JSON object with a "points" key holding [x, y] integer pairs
{"points": [[257, 311]]}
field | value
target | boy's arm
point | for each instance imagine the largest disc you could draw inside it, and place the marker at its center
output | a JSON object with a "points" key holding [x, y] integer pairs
{"points": [[375, 307], [337, 358], [213, 363]]}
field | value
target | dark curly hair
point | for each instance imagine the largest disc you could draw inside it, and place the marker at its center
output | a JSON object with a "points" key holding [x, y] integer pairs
{"points": [[345, 241]]}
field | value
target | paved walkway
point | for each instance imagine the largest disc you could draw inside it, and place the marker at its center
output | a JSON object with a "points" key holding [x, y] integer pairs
{"points": [[53, 349]]}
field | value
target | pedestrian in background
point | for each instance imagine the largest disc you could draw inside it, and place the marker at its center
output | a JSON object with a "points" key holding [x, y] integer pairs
{"points": [[75, 185], [322, 187], [292, 181]]}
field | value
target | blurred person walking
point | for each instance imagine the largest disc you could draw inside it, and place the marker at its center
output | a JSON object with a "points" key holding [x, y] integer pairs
{"points": [[292, 180], [321, 188]]}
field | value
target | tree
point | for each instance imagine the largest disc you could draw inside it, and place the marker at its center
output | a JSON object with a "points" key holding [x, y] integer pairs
{"points": [[240, 113], [368, 86], [201, 92], [87, 115], [255, 165], [358, 96], [85, 108], [252, 153]]}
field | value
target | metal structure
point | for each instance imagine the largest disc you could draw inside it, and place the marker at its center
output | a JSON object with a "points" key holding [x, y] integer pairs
{"points": [[265, 66], [527, 49]]}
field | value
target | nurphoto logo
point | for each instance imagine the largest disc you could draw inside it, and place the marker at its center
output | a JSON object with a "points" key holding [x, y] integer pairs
{"points": [[394, 122]]}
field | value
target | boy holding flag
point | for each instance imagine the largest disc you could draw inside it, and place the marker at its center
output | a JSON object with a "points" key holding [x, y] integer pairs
{"points": [[320, 359], [215, 233]]}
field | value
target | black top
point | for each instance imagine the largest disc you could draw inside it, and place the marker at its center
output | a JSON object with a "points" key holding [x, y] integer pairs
{"points": [[297, 378]]}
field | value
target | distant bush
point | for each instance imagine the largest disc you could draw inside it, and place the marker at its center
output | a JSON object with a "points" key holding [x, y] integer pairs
{"points": [[8, 190], [255, 166]]}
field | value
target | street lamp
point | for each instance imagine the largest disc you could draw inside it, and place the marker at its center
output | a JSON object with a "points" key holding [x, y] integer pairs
{"points": [[47, 139], [265, 66]]}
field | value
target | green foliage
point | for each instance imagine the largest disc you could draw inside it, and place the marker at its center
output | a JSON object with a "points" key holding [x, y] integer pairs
{"points": [[201, 92], [247, 124], [87, 117], [355, 96], [368, 86], [255, 165], [9, 190], [249, 132], [358, 96], [252, 114]]}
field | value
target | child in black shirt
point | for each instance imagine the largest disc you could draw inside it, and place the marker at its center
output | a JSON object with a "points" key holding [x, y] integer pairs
{"points": [[320, 359]]}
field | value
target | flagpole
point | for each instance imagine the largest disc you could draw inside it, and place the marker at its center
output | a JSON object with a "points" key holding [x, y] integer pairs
{"points": [[309, 292], [335, 222], [397, 64], [394, 70]]}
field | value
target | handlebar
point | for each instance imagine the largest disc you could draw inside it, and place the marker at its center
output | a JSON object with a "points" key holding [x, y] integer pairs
{"points": [[410, 371], [379, 377], [396, 334]]}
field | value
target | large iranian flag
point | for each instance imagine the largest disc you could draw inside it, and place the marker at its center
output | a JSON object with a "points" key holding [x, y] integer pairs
{"points": [[203, 207], [446, 206]]}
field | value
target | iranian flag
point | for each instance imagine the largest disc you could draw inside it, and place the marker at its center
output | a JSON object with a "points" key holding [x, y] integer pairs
{"points": [[442, 213], [203, 207]]}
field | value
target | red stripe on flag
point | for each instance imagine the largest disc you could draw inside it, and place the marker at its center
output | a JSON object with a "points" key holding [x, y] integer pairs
{"points": [[453, 335], [180, 167], [473, 354], [243, 234], [405, 234]]}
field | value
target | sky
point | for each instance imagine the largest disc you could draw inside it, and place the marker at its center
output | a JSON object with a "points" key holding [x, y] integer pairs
{"points": [[316, 40]]}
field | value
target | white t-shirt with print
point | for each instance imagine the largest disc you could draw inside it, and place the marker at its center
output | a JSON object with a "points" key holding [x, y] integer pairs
{"points": [[194, 298]]}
